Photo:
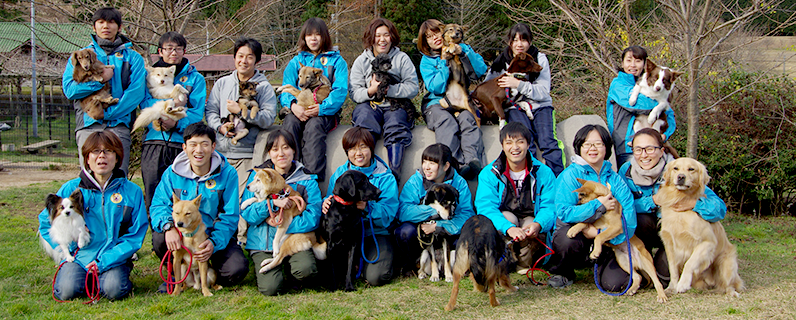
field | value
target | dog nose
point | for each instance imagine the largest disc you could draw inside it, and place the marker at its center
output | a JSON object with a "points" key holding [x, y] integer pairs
{"points": [[680, 178], [180, 224]]}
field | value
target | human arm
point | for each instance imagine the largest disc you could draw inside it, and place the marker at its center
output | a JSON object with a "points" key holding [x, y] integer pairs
{"points": [[410, 208], [134, 94], [435, 73], [711, 207], [469, 56], [290, 77], [670, 121], [488, 198], [131, 241], [622, 194], [383, 211], [308, 220], [214, 103], [544, 205], [197, 99], [566, 200], [359, 80]]}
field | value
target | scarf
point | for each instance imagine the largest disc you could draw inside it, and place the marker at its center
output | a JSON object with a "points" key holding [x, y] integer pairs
{"points": [[504, 59], [109, 46], [162, 64], [646, 178]]}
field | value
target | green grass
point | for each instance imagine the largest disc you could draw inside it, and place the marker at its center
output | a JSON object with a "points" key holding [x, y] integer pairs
{"points": [[766, 247]]}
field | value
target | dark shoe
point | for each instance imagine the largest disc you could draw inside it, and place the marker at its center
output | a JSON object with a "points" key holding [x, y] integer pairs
{"points": [[395, 157], [163, 288], [471, 170], [558, 282]]}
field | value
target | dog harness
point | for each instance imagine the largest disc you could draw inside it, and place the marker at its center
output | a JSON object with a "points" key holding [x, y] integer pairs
{"points": [[315, 94]]}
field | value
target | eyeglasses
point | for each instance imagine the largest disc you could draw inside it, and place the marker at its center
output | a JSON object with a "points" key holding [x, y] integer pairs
{"points": [[596, 145], [169, 50], [97, 152], [433, 34], [648, 150]]}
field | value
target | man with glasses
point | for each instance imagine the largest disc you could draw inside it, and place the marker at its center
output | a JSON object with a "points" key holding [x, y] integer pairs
{"points": [[160, 148]]}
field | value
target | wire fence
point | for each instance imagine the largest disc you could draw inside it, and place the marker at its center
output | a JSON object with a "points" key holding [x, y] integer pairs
{"points": [[49, 144]]}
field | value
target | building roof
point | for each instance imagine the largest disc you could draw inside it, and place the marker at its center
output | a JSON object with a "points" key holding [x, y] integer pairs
{"points": [[222, 62], [53, 37]]}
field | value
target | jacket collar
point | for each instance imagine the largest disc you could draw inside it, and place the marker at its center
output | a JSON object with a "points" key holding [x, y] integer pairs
{"points": [[182, 166], [87, 180]]}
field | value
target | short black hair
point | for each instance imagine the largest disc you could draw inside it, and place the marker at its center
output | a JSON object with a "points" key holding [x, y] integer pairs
{"points": [[199, 129], [516, 130], [255, 45], [440, 153], [580, 138], [172, 36], [107, 14], [274, 136]]}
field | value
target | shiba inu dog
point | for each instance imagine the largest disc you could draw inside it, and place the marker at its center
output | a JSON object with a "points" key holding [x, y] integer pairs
{"points": [[188, 220]]}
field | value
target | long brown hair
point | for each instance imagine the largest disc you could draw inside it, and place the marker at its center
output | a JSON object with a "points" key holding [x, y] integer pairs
{"points": [[432, 25], [315, 25]]}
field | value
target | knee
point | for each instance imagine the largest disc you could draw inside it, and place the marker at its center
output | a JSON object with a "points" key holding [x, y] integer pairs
{"points": [[405, 232], [70, 281], [66, 290], [115, 283], [304, 271], [314, 125], [269, 288], [377, 276]]}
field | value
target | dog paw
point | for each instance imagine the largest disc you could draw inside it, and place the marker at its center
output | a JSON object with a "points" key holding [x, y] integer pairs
{"points": [[662, 298], [502, 123], [70, 258], [571, 233], [449, 279], [421, 275], [206, 292], [596, 252], [434, 278], [266, 261], [652, 117], [683, 287], [264, 269]]}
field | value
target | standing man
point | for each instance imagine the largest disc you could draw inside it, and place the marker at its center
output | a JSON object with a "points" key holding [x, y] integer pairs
{"points": [[127, 81]]}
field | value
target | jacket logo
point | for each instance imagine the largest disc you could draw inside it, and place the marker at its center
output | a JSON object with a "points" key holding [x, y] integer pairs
{"points": [[119, 54], [184, 78], [116, 198], [210, 184], [324, 60]]}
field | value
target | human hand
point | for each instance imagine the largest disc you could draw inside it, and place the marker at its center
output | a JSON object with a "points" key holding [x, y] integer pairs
{"points": [[608, 202], [312, 111], [532, 231], [361, 205], [233, 107], [326, 204], [167, 124], [298, 111], [516, 234], [107, 74], [374, 86], [284, 203], [205, 251], [508, 81], [224, 130], [173, 241], [429, 228]]}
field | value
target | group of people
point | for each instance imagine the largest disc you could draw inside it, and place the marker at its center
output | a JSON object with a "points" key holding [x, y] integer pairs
{"points": [[524, 197]]}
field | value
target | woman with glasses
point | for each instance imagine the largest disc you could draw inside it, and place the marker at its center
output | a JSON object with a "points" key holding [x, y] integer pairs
{"points": [[642, 174], [593, 146]]}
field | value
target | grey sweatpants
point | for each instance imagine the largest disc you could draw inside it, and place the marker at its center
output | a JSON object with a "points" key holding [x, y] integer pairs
{"points": [[460, 134]]}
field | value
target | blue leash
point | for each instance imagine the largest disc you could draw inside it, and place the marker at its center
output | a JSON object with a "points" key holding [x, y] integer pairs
{"points": [[362, 248], [629, 258]]}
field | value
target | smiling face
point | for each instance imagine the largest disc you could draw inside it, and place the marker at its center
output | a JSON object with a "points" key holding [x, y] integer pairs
{"points": [[281, 155], [632, 65], [643, 143], [516, 149], [199, 150], [434, 40], [360, 155], [106, 29], [101, 161], [383, 42], [245, 60], [518, 44], [432, 171], [593, 149]]}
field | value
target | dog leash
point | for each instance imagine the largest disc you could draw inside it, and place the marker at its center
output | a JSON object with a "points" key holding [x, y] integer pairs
{"points": [[362, 248], [315, 93], [508, 97], [92, 274], [420, 238], [530, 271], [630, 260], [171, 284]]}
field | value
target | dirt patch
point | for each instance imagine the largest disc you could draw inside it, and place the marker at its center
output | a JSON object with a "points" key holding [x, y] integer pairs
{"points": [[15, 177]]}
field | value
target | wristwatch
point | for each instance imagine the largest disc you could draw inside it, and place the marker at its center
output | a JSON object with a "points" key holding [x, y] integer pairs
{"points": [[168, 226]]}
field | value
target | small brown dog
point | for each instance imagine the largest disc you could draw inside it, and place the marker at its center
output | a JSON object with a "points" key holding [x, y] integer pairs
{"points": [[88, 68], [491, 96], [188, 221], [248, 99], [314, 86], [611, 225], [456, 95], [236, 125]]}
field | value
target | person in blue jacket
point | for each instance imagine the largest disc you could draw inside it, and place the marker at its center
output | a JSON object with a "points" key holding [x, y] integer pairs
{"points": [[358, 144], [127, 81], [593, 146], [621, 115], [460, 133], [115, 215], [642, 175], [438, 167], [201, 170], [516, 192], [160, 148], [312, 124], [301, 266]]}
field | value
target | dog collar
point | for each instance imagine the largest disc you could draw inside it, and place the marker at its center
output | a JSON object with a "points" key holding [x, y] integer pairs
{"points": [[508, 97], [194, 232], [281, 195], [314, 94], [343, 202]]}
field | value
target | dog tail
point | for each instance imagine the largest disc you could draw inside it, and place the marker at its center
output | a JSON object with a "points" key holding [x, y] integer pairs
{"points": [[151, 114], [320, 249]]}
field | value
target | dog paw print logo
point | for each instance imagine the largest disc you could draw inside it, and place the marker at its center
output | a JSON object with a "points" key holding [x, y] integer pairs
{"points": [[116, 198], [210, 184]]}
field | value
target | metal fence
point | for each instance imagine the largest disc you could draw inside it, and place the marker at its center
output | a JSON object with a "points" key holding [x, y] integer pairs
{"points": [[51, 143]]}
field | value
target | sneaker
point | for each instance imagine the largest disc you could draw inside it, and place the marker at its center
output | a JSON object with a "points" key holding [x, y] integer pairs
{"points": [[558, 282]]}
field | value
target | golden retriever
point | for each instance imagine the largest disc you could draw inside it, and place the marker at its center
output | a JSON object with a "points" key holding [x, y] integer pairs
{"points": [[699, 253]]}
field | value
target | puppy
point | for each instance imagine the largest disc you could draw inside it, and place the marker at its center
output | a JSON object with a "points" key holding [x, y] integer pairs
{"points": [[236, 125], [699, 253], [88, 68], [491, 96], [610, 225], [655, 83], [314, 86], [456, 94], [380, 68], [66, 225], [159, 110], [160, 81], [188, 221], [341, 226], [248, 99], [443, 198]]}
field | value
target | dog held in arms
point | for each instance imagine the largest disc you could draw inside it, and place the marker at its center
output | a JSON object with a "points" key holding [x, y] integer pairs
{"points": [[443, 198], [655, 83], [610, 225], [491, 96], [188, 220], [160, 81], [247, 99], [66, 225], [269, 184], [456, 94], [315, 87], [482, 251], [341, 226], [698, 251], [88, 68], [380, 67]]}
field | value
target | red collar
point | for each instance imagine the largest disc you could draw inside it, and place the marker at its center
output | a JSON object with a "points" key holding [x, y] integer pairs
{"points": [[343, 202], [281, 195]]}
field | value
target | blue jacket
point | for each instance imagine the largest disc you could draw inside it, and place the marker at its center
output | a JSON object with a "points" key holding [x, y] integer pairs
{"points": [[334, 68], [220, 206], [492, 196], [128, 84], [710, 207], [194, 81], [260, 234], [413, 210], [115, 217], [621, 117], [435, 72], [568, 209], [383, 211]]}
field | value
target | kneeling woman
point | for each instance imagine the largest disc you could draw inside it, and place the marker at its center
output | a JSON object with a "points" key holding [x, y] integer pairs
{"points": [[358, 144], [438, 167], [115, 214], [301, 266]]}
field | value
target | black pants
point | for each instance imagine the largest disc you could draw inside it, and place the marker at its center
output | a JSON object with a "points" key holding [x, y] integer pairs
{"points": [[156, 157], [230, 263], [311, 137]]}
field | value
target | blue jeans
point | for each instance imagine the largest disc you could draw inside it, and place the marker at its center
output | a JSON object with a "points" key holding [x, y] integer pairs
{"points": [[114, 283], [394, 126]]}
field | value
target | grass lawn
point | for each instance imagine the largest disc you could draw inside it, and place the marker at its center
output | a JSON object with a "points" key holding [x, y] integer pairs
{"points": [[766, 247]]}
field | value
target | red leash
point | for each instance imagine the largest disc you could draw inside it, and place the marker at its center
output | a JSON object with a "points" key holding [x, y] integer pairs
{"points": [[167, 258], [92, 274], [530, 271]]}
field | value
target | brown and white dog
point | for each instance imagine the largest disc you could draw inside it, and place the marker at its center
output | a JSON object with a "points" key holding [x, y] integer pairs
{"points": [[655, 83], [269, 184], [443, 198], [456, 94], [314, 86], [610, 225], [66, 225], [492, 96], [699, 253], [188, 220], [88, 68]]}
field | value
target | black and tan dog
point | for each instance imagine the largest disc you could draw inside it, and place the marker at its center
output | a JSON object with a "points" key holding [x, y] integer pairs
{"points": [[482, 251], [247, 99], [491, 96], [88, 68], [456, 94], [315, 87], [443, 198], [188, 220], [380, 67], [341, 226], [610, 225]]}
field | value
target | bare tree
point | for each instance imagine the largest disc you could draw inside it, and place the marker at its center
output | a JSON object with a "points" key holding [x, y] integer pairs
{"points": [[482, 30]]}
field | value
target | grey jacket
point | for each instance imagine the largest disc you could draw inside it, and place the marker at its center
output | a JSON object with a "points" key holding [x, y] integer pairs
{"points": [[402, 68], [226, 88], [537, 93]]}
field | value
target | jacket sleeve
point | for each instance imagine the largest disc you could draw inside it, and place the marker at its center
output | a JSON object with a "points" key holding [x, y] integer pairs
{"points": [[567, 207], [289, 77], [134, 94], [358, 81], [619, 92], [266, 98], [711, 207], [476, 60], [545, 204], [197, 100], [131, 242], [463, 211], [671, 122], [308, 220], [227, 221], [384, 210], [408, 87], [539, 89], [257, 212], [160, 209], [332, 104], [411, 210], [213, 106], [74, 90], [435, 73], [625, 197], [488, 197]]}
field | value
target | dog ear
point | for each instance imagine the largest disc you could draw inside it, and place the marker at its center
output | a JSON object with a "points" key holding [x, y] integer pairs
{"points": [[149, 69], [173, 69], [301, 65], [74, 58], [582, 182], [197, 201], [51, 203], [649, 66], [676, 75], [345, 187], [174, 198], [704, 173], [77, 198], [667, 173]]}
